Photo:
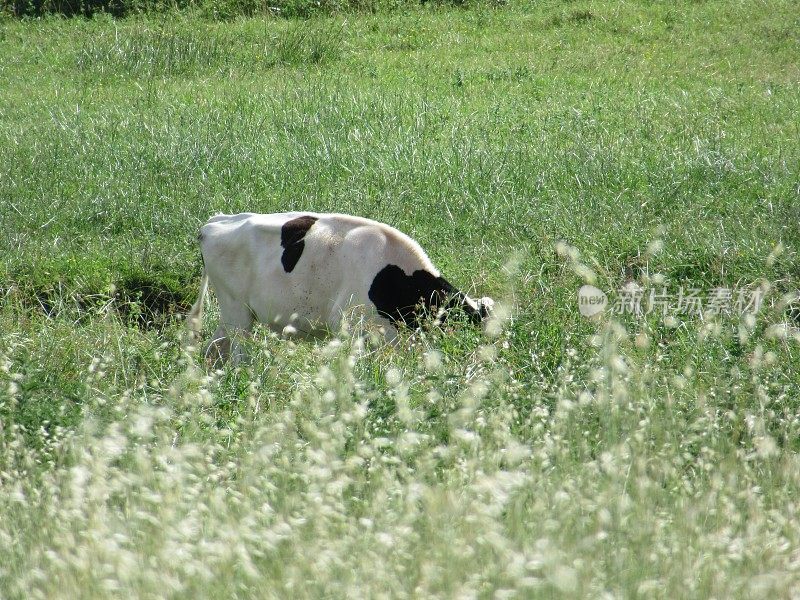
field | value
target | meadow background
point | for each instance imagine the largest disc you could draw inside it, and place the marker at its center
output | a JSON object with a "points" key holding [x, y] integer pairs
{"points": [[530, 147]]}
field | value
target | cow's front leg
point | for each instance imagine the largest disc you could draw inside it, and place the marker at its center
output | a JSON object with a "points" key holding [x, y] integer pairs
{"points": [[389, 332]]}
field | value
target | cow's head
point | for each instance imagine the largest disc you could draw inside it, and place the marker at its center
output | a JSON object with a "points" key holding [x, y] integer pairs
{"points": [[477, 310], [405, 298]]}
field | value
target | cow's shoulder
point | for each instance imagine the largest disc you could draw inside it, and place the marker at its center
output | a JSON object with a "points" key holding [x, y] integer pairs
{"points": [[375, 241], [397, 294]]}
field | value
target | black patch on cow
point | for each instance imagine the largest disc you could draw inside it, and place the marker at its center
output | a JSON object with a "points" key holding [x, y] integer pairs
{"points": [[292, 234], [405, 298]]}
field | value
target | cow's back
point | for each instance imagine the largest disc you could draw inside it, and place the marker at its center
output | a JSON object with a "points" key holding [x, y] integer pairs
{"points": [[312, 265]]}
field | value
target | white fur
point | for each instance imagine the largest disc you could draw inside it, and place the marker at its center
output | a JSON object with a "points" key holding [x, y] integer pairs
{"points": [[342, 254]]}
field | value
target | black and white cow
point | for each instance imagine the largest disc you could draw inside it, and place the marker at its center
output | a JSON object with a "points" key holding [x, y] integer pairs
{"points": [[300, 272]]}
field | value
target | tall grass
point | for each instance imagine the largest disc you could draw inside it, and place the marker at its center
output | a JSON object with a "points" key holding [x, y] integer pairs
{"points": [[150, 51], [530, 151], [219, 10], [156, 49], [305, 475]]}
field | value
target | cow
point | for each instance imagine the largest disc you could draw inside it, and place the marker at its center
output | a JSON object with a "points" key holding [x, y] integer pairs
{"points": [[300, 272]]}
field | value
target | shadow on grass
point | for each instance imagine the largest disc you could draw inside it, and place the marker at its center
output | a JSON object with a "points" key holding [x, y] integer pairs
{"points": [[144, 301]]}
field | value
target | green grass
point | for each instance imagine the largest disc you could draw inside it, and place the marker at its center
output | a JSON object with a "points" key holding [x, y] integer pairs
{"points": [[530, 149]]}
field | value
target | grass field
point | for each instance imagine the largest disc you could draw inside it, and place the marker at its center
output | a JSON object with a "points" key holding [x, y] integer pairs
{"points": [[531, 149]]}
